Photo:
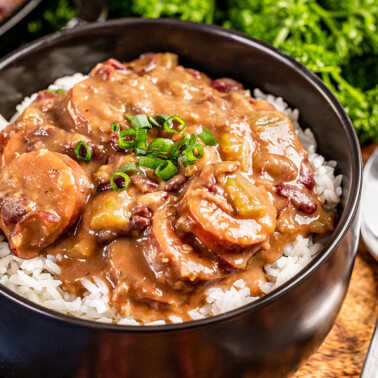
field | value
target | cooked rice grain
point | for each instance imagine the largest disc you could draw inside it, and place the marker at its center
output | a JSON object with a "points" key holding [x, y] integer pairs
{"points": [[36, 279]]}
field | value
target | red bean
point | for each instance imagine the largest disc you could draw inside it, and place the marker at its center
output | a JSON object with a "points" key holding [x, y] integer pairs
{"points": [[226, 85], [306, 175], [114, 142], [116, 64], [175, 183], [139, 223], [301, 200], [105, 186], [194, 73], [13, 210], [144, 184]]}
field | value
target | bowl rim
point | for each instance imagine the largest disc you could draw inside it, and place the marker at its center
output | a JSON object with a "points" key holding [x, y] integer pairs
{"points": [[348, 215], [17, 15]]}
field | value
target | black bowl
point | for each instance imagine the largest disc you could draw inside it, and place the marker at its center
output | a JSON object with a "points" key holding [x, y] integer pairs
{"points": [[15, 25], [270, 337]]}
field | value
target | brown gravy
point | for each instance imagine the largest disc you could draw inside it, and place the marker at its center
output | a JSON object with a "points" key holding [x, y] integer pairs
{"points": [[159, 245]]}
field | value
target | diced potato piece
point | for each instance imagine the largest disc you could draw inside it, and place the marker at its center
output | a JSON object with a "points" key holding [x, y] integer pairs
{"points": [[111, 210], [240, 193], [235, 148], [169, 60], [83, 248]]}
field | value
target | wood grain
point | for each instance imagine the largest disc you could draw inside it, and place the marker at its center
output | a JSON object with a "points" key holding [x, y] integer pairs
{"points": [[343, 352]]}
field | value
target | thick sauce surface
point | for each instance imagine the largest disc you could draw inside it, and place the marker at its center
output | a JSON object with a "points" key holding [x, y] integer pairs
{"points": [[159, 245]]}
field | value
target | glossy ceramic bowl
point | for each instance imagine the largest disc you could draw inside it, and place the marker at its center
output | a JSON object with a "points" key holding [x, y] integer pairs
{"points": [[14, 26], [270, 337]]}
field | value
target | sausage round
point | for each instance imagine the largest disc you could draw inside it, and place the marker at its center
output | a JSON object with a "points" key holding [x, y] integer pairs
{"points": [[53, 189]]}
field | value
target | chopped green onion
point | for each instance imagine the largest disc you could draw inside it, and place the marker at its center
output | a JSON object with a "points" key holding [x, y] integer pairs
{"points": [[153, 122], [140, 121], [161, 144], [129, 117], [192, 141], [166, 170], [126, 145], [167, 124], [185, 161], [208, 138], [178, 149], [130, 166], [115, 127], [141, 138], [194, 153], [87, 155], [161, 118], [150, 162], [121, 187], [159, 154], [56, 91], [140, 152]]}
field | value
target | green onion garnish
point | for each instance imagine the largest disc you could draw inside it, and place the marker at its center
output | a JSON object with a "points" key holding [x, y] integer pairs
{"points": [[130, 166], [208, 138], [87, 155], [178, 149], [126, 145], [192, 141], [194, 153], [166, 170], [150, 162], [122, 186], [141, 138], [161, 118], [153, 122], [159, 154], [140, 121], [140, 152], [185, 161], [162, 154], [167, 124], [115, 127], [161, 144], [56, 91]]}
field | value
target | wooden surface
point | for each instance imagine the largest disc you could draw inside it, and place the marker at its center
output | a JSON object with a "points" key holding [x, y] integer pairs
{"points": [[343, 352]]}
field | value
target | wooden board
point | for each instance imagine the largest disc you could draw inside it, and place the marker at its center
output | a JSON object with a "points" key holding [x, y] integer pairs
{"points": [[343, 352]]}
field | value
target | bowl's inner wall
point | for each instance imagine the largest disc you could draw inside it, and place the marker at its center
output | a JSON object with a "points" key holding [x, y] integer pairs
{"points": [[254, 65], [265, 338]]}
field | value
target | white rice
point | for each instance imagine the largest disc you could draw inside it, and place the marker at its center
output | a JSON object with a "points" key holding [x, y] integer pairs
{"points": [[36, 279]]}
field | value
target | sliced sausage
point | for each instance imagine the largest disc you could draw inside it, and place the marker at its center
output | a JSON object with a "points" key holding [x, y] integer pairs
{"points": [[134, 275], [28, 135], [174, 261], [227, 222], [54, 190], [85, 116]]}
